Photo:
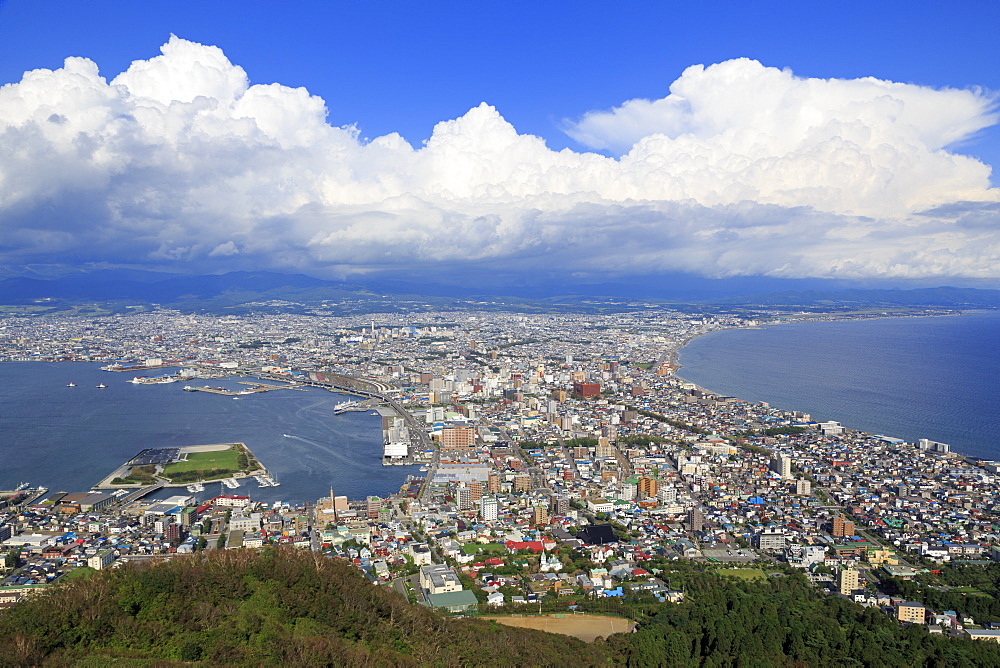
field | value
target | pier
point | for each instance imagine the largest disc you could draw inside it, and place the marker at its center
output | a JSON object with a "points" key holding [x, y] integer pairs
{"points": [[33, 494], [255, 388]]}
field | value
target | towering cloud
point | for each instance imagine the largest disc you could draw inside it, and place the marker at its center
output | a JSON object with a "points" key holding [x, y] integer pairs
{"points": [[741, 169]]}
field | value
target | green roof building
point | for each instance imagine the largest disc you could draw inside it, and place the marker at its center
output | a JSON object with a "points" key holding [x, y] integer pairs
{"points": [[458, 602]]}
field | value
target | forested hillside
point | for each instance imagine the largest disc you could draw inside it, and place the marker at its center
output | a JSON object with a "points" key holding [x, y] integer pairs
{"points": [[295, 608], [263, 608]]}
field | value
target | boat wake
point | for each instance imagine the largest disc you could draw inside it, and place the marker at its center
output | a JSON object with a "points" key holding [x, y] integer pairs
{"points": [[316, 444]]}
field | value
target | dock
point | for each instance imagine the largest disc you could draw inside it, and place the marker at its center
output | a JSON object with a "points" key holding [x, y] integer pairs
{"points": [[255, 388]]}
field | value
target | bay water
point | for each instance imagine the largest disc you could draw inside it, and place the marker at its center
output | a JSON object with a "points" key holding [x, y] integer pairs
{"points": [[69, 438], [912, 378]]}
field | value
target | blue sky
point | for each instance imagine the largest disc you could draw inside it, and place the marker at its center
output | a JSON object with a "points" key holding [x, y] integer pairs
{"points": [[563, 72]]}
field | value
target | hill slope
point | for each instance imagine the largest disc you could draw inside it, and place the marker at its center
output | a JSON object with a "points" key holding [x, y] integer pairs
{"points": [[269, 607]]}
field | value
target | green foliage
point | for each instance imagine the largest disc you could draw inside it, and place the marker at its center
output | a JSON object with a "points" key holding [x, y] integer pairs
{"points": [[967, 589], [144, 475], [269, 607], [783, 621], [297, 608]]}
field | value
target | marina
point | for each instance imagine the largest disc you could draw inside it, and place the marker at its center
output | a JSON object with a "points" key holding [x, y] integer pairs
{"points": [[266, 481]]}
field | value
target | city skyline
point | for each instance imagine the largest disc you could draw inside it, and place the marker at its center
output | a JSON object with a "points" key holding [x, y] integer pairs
{"points": [[739, 147]]}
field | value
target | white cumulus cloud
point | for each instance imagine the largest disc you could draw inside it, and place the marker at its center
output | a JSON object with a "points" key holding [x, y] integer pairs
{"points": [[741, 169]]}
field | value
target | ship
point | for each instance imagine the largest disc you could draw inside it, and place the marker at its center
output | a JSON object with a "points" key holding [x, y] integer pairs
{"points": [[154, 380], [70, 384], [101, 386], [346, 406]]}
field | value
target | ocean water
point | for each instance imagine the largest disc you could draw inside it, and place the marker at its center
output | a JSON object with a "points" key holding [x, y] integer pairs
{"points": [[936, 377], [69, 438]]}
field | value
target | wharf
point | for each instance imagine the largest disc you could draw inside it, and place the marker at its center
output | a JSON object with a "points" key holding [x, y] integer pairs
{"points": [[255, 388], [33, 494], [116, 368]]}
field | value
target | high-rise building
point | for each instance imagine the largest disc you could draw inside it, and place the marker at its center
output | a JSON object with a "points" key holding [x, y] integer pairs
{"points": [[453, 438], [463, 497], [667, 493], [539, 516], [695, 519], [493, 482], [848, 581], [374, 504], [488, 508], [476, 489], [522, 483], [843, 527], [803, 487], [647, 487], [782, 465], [172, 532]]}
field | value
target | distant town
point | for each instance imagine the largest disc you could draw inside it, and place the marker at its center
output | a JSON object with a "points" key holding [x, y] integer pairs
{"points": [[561, 456]]}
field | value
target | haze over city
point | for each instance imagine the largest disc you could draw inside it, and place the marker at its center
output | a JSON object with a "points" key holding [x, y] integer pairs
{"points": [[442, 141]]}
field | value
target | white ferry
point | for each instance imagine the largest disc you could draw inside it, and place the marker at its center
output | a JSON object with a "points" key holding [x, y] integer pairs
{"points": [[345, 406], [154, 380]]}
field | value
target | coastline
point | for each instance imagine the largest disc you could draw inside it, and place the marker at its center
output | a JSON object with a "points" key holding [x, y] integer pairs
{"points": [[673, 354], [963, 446]]}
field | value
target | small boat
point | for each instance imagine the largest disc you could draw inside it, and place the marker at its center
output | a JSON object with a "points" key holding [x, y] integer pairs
{"points": [[70, 384], [101, 386]]}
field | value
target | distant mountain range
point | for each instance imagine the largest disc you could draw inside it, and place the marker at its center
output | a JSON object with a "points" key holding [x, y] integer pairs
{"points": [[943, 296], [229, 292]]}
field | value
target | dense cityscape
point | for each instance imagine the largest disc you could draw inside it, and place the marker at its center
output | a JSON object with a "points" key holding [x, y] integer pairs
{"points": [[562, 457]]}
